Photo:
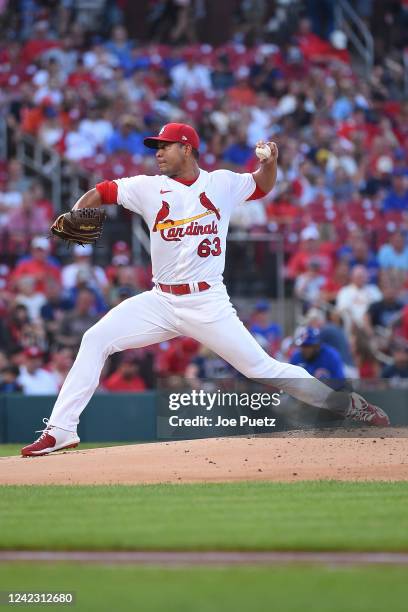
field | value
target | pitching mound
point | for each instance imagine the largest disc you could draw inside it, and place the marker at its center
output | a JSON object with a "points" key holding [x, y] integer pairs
{"points": [[287, 458]]}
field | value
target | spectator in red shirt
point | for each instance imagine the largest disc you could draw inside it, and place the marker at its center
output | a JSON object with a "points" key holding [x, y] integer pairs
{"points": [[310, 248], [17, 322], [315, 49], [27, 220], [282, 209], [39, 43], [356, 125], [175, 358], [364, 358], [126, 378], [40, 201], [60, 364], [32, 118], [122, 272], [333, 284], [38, 265], [80, 76], [121, 257]]}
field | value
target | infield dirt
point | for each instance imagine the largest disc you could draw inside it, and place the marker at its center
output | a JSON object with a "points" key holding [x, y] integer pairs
{"points": [[290, 458]]}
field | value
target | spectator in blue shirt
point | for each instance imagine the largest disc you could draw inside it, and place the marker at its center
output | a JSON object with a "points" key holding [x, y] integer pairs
{"points": [[342, 108], [331, 333], [222, 77], [8, 380], [262, 327], [395, 253], [320, 360], [120, 47], [56, 306], [126, 139], [324, 363], [238, 153], [397, 198], [398, 369], [359, 253]]}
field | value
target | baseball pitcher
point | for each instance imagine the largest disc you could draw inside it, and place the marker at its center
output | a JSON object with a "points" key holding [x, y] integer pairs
{"points": [[187, 210]]}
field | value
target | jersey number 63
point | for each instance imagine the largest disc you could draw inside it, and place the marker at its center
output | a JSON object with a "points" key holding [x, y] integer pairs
{"points": [[206, 247]]}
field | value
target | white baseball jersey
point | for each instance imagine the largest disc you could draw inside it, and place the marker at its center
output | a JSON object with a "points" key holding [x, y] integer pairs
{"points": [[188, 224], [188, 229]]}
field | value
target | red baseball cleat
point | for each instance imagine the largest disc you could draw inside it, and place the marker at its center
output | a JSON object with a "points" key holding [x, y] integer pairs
{"points": [[360, 410], [51, 439]]}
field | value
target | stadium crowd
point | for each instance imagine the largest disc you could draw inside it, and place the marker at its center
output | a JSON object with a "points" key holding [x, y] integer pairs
{"points": [[340, 203]]}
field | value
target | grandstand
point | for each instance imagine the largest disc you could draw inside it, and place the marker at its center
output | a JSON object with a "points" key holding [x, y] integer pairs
{"points": [[82, 83]]}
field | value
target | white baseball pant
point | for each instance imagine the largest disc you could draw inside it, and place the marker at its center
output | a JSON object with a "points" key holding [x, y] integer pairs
{"points": [[154, 316]]}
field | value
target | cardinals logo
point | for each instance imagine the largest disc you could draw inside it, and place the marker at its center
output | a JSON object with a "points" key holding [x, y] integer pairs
{"points": [[171, 230], [206, 202], [162, 215]]}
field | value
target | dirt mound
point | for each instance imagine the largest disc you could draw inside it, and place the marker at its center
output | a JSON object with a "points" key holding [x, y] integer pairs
{"points": [[274, 458]]}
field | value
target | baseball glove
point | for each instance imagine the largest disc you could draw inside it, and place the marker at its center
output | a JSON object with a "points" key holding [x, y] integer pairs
{"points": [[81, 226]]}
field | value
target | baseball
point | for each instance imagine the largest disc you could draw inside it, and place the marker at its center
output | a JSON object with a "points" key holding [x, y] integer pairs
{"points": [[263, 152]]}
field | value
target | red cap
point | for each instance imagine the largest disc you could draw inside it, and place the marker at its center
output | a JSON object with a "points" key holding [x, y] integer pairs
{"points": [[33, 352], [120, 247], [174, 132]]}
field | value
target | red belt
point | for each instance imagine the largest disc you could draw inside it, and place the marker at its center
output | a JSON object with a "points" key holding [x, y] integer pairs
{"points": [[183, 289]]}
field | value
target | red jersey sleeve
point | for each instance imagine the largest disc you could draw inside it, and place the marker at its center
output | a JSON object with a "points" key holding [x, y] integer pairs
{"points": [[257, 194], [108, 191]]}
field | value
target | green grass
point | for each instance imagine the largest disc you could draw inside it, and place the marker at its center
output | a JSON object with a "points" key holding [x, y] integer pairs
{"points": [[236, 516], [284, 589], [8, 450]]}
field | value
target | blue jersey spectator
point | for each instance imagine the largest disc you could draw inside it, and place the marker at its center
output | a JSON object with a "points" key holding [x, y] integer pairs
{"points": [[126, 139], [359, 254], [320, 360], [262, 327], [397, 198], [342, 108], [120, 47], [100, 305], [210, 366], [222, 77], [8, 380], [239, 152], [395, 253], [399, 368]]}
